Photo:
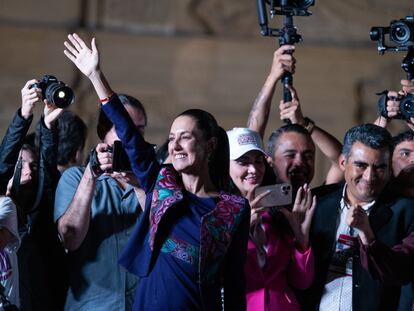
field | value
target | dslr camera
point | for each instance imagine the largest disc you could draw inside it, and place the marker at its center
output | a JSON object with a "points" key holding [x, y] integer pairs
{"points": [[401, 32], [56, 92], [406, 106]]}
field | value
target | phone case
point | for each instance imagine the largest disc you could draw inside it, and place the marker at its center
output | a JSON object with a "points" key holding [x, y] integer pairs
{"points": [[281, 194]]}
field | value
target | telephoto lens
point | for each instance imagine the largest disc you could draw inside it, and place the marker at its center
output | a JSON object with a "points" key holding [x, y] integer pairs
{"points": [[56, 92], [59, 94]]}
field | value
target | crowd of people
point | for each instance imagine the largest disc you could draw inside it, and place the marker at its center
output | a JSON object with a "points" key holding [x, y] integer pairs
{"points": [[185, 226]]}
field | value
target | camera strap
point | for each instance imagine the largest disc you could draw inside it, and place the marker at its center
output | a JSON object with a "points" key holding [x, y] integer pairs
{"points": [[94, 163]]}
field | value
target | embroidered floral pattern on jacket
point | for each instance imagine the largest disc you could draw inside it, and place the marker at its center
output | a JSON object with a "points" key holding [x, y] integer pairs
{"points": [[181, 249], [167, 191], [217, 229]]}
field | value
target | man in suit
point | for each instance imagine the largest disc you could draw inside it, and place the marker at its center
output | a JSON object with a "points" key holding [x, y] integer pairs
{"points": [[341, 283]]}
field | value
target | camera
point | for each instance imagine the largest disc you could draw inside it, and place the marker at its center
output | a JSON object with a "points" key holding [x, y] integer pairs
{"points": [[406, 106], [120, 160], [288, 33], [400, 31], [56, 92], [290, 7]]}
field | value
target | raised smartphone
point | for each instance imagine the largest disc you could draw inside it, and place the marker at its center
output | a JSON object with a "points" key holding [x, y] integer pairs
{"points": [[281, 194]]}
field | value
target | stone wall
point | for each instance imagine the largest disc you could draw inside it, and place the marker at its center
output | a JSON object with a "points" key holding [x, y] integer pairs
{"points": [[174, 55]]}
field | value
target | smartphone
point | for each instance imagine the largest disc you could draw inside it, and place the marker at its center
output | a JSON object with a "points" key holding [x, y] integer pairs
{"points": [[281, 194], [120, 160]]}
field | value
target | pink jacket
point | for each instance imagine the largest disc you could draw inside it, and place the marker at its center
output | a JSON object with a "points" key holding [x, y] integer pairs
{"points": [[270, 288]]}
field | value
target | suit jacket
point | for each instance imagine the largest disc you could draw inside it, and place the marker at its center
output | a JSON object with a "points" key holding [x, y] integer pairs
{"points": [[392, 265], [391, 219]]}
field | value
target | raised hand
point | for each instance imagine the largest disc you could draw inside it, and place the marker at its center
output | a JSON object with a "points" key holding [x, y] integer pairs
{"points": [[283, 62], [30, 96], [300, 218], [51, 113], [85, 58], [291, 110], [256, 210]]}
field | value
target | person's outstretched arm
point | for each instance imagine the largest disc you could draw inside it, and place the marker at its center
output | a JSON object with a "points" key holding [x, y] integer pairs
{"points": [[326, 142], [259, 114], [141, 154], [16, 132]]}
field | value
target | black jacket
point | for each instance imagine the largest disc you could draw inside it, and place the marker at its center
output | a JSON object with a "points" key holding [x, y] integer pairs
{"points": [[10, 147], [391, 219], [41, 256]]}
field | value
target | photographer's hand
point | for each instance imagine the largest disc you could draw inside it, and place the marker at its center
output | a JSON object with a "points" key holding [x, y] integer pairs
{"points": [[259, 114], [30, 96], [282, 62], [87, 61], [291, 110], [393, 109], [51, 113], [393, 104], [104, 157]]}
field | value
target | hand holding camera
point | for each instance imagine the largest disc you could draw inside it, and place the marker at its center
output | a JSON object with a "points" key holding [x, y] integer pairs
{"points": [[30, 96], [35, 91], [109, 159], [393, 105]]}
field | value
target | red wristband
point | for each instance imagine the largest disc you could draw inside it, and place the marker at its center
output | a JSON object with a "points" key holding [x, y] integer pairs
{"points": [[106, 99]]}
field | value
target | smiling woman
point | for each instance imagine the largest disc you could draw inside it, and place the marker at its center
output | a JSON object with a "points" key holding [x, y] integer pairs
{"points": [[279, 256], [191, 242]]}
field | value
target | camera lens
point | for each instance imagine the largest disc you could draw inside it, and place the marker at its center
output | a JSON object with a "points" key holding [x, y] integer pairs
{"points": [[59, 94], [407, 106], [400, 32]]}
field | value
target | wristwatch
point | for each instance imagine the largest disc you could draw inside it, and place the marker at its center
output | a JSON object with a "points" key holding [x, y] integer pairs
{"points": [[309, 125]]}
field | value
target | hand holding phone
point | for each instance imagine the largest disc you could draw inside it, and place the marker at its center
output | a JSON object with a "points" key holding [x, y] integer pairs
{"points": [[280, 195]]}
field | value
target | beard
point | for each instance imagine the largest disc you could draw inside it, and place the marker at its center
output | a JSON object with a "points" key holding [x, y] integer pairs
{"points": [[298, 175]]}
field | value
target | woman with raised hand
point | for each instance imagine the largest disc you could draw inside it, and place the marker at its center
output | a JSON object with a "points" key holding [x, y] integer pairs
{"points": [[279, 257], [190, 245]]}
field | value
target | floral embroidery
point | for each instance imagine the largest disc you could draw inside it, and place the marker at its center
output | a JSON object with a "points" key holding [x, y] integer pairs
{"points": [[181, 249], [167, 191], [217, 229]]}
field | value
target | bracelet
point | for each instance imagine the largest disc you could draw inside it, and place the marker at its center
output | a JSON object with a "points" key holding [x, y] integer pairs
{"points": [[106, 99], [309, 125]]}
